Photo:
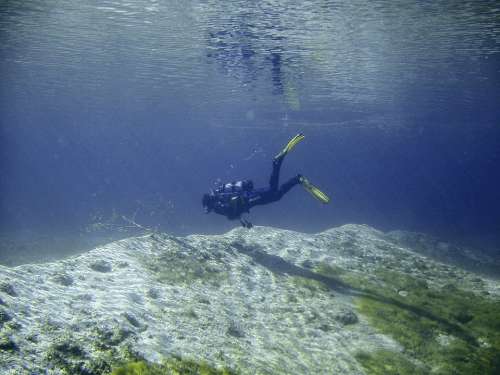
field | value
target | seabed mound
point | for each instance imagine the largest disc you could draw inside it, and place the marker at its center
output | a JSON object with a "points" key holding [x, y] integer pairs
{"points": [[350, 300]]}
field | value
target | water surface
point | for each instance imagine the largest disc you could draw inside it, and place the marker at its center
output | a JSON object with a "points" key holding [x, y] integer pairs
{"points": [[112, 108]]}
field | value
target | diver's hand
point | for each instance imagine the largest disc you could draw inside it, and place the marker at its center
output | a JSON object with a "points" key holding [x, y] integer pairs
{"points": [[245, 223]]}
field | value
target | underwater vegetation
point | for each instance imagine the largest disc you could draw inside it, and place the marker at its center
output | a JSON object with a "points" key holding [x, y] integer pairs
{"points": [[68, 357], [173, 366], [385, 362], [443, 329], [180, 267], [67, 354]]}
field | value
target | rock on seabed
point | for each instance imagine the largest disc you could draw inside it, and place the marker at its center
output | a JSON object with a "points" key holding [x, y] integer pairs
{"points": [[253, 301]]}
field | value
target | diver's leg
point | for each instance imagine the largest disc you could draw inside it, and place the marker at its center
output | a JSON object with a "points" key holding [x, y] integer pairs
{"points": [[275, 175], [262, 196], [269, 195], [285, 188], [278, 159]]}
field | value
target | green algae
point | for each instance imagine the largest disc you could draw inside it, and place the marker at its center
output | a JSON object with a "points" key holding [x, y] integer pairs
{"points": [[66, 355], [385, 362], [447, 329], [69, 356], [7, 344], [111, 354], [107, 338], [311, 285], [328, 270], [172, 366], [419, 319], [175, 267]]}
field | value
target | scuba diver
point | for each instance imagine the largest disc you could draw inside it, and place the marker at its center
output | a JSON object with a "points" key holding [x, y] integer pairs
{"points": [[235, 198]]}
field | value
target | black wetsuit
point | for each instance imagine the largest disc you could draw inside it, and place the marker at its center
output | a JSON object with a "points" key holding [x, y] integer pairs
{"points": [[236, 198]]}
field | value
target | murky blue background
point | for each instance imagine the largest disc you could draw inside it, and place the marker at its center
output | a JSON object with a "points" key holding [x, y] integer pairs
{"points": [[112, 108]]}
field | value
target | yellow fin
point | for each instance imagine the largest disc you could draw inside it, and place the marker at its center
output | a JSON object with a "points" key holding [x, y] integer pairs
{"points": [[290, 145], [314, 191]]}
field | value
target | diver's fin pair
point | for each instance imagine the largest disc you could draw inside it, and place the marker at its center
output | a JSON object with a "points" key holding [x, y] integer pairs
{"points": [[290, 145], [313, 190]]}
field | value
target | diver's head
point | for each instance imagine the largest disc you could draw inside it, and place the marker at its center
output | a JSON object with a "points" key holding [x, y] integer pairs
{"points": [[208, 202]]}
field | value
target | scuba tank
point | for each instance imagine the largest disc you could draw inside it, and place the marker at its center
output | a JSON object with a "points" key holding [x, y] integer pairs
{"points": [[235, 187]]}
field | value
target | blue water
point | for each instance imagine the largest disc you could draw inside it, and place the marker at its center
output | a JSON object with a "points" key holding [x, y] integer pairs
{"points": [[111, 109]]}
